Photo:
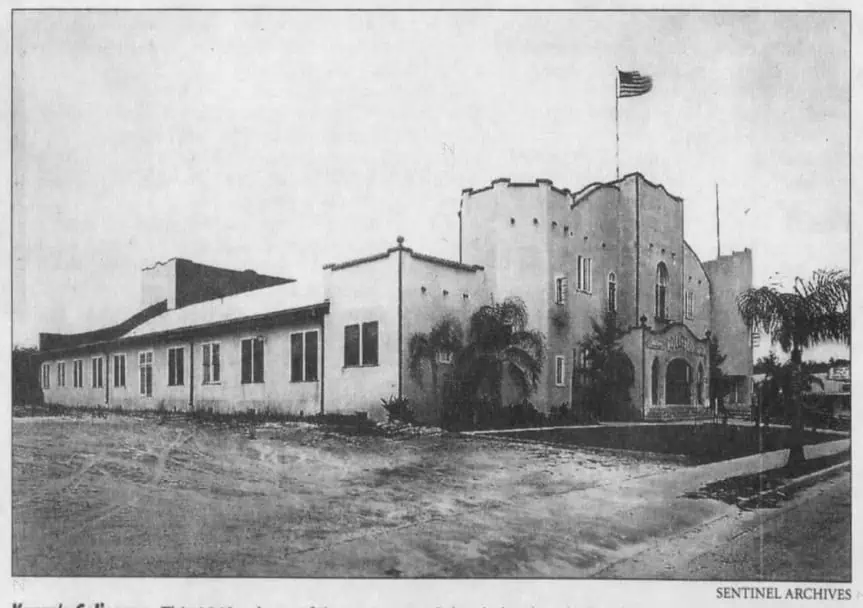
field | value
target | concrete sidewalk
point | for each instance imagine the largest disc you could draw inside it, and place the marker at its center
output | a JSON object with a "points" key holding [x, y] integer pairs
{"points": [[574, 534]]}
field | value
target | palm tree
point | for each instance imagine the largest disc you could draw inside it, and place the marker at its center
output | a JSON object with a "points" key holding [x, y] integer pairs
{"points": [[499, 343], [446, 336], [775, 390], [813, 312], [609, 372]]}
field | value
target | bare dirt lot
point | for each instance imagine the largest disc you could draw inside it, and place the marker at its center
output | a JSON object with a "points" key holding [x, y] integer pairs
{"points": [[132, 497]]}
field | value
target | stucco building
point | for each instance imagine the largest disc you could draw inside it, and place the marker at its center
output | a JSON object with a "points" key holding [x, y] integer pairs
{"points": [[227, 340]]}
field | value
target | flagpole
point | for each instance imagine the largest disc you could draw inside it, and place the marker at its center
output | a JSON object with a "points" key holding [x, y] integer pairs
{"points": [[718, 249], [617, 121]]}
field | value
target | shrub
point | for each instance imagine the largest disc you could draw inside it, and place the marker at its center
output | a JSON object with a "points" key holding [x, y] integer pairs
{"points": [[398, 409], [525, 414]]}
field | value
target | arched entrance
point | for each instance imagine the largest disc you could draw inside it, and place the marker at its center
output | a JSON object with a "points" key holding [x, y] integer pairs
{"points": [[654, 382], [678, 379]]}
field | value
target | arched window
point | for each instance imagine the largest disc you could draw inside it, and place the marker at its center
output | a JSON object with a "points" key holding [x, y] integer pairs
{"points": [[661, 291], [612, 292]]}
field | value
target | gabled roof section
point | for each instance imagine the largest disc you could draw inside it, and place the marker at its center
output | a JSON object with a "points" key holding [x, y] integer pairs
{"points": [[251, 304], [431, 259]]}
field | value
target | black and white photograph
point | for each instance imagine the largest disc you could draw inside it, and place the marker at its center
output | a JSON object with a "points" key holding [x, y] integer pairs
{"points": [[432, 294]]}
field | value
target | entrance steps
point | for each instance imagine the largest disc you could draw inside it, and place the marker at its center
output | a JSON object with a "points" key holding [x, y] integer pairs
{"points": [[679, 412]]}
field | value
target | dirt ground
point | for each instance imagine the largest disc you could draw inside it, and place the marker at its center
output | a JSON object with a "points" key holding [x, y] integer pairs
{"points": [[132, 497]]}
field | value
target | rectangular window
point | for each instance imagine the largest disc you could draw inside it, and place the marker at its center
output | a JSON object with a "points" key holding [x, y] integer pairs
{"points": [[689, 305], [585, 282], [145, 373], [311, 356], [361, 344], [612, 292], [78, 373], [96, 376], [582, 364], [352, 345], [252, 363], [175, 366], [119, 371], [559, 371], [304, 356], [370, 343], [211, 361], [560, 290], [61, 374], [46, 375], [297, 357]]}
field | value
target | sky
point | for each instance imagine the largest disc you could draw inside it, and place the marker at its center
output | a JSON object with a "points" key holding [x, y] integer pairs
{"points": [[281, 141]]}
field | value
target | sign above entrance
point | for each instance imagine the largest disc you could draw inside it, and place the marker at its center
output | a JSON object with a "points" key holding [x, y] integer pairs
{"points": [[681, 343], [674, 343]]}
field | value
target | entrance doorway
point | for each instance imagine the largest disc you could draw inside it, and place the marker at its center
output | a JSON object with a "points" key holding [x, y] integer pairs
{"points": [[678, 379]]}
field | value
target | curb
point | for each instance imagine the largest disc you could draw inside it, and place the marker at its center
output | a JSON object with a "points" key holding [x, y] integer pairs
{"points": [[794, 483], [636, 454]]}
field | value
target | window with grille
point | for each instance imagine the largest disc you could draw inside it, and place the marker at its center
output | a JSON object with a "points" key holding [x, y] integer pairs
{"points": [[612, 292], [560, 290], [211, 362], [46, 375], [585, 283], [559, 371], [689, 305], [96, 375], [252, 363], [304, 356], [175, 366], [361, 344], [78, 373], [119, 371], [145, 373], [61, 374]]}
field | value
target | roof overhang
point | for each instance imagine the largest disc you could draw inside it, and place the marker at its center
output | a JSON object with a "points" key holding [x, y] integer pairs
{"points": [[250, 324]]}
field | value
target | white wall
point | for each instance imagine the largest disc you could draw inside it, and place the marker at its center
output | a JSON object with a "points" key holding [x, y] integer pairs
{"points": [[357, 294]]}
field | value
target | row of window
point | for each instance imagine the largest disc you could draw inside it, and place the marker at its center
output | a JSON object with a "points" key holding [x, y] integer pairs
{"points": [[361, 349], [585, 285], [304, 365]]}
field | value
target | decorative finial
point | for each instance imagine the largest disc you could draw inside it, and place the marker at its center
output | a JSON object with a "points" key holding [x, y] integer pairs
{"points": [[400, 239]]}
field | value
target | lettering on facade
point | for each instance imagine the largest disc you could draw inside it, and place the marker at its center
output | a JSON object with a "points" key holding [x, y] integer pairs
{"points": [[681, 343], [674, 343]]}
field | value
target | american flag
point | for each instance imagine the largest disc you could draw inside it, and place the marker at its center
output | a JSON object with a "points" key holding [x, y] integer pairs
{"points": [[633, 84]]}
